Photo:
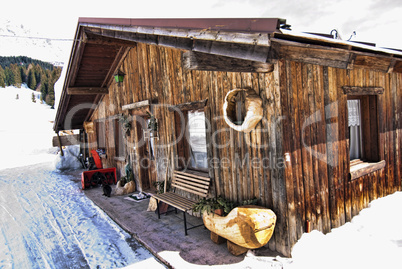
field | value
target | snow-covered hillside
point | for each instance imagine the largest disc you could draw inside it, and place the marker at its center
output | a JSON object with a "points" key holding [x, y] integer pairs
{"points": [[25, 128], [20, 40]]}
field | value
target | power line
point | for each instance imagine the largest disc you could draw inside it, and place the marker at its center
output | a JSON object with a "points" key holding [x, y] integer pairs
{"points": [[42, 38]]}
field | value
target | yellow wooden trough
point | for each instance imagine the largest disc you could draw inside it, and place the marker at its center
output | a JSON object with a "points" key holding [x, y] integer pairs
{"points": [[248, 226]]}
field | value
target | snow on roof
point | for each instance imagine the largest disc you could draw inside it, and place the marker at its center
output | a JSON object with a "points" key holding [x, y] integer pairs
{"points": [[316, 37]]}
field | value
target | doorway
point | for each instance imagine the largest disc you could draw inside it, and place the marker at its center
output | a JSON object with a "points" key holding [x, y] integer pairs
{"points": [[146, 155]]}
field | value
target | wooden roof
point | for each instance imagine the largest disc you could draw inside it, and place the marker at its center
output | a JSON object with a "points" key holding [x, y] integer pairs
{"points": [[101, 44], [90, 71]]}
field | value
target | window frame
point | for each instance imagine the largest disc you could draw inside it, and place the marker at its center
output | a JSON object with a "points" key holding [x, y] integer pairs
{"points": [[182, 144], [370, 126]]}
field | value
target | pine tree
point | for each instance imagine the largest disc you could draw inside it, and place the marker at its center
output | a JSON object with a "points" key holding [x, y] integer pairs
{"points": [[36, 74], [31, 80], [50, 100], [23, 72], [9, 77], [2, 78], [44, 90], [15, 69]]}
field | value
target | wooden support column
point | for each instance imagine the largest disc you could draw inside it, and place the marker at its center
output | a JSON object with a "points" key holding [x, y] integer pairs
{"points": [[60, 146]]}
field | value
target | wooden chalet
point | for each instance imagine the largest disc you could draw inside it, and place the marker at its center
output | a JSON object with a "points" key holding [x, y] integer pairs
{"points": [[321, 99]]}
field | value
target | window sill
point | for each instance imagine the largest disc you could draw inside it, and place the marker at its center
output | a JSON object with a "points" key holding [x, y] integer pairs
{"points": [[364, 168]]}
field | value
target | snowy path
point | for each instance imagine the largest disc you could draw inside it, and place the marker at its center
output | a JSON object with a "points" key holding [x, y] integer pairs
{"points": [[47, 222]]}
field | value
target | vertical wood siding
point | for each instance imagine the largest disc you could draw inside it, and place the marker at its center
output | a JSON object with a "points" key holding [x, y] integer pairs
{"points": [[284, 161], [316, 136]]}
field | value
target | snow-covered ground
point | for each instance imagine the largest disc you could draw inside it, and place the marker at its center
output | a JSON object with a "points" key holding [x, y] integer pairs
{"points": [[25, 128], [373, 239], [47, 222]]}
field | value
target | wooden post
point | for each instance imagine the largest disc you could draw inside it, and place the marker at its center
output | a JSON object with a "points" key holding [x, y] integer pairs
{"points": [[234, 249], [167, 173], [61, 147], [217, 239], [308, 226]]}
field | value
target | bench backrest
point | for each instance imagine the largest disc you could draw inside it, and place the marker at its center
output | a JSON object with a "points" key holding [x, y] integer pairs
{"points": [[192, 183]]}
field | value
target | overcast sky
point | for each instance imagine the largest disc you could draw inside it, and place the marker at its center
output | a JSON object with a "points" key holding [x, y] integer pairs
{"points": [[377, 21]]}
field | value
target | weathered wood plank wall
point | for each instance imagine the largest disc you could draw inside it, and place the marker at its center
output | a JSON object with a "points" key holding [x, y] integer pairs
{"points": [[244, 165], [316, 136], [295, 161]]}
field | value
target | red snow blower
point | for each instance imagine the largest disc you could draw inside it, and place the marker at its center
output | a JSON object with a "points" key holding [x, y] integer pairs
{"points": [[100, 175]]}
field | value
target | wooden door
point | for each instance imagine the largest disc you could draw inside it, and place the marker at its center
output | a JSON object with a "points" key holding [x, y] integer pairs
{"points": [[146, 158]]}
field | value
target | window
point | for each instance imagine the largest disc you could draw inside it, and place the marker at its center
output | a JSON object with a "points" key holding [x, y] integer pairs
{"points": [[197, 140], [363, 128], [355, 130], [364, 147], [191, 139]]}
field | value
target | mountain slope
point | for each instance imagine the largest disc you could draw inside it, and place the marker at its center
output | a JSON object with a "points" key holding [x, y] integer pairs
{"points": [[18, 39]]}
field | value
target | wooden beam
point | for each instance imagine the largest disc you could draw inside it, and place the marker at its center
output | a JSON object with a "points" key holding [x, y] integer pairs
{"points": [[89, 127], [312, 54], [373, 62], [76, 61], [208, 62], [189, 106], [345, 58], [356, 90], [397, 67], [90, 38], [136, 105], [351, 61], [253, 46], [391, 66], [234, 50], [87, 90], [121, 55], [65, 140]]}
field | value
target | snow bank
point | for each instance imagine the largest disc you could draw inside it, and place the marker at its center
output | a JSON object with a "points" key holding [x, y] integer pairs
{"points": [[70, 159], [373, 239], [26, 131]]}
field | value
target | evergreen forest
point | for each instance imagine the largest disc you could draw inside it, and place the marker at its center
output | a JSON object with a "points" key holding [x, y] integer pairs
{"points": [[37, 75]]}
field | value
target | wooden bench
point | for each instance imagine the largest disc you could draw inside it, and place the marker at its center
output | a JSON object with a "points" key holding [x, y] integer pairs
{"points": [[194, 183]]}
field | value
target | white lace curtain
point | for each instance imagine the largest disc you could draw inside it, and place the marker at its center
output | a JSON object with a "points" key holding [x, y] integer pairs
{"points": [[354, 118]]}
